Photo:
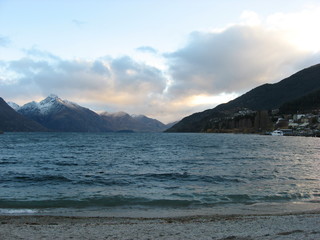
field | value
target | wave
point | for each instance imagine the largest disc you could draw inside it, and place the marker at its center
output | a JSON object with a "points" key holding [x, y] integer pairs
{"points": [[170, 202], [104, 181], [189, 177], [5, 211], [66, 163], [288, 197], [5, 162], [111, 201], [280, 197], [41, 178]]}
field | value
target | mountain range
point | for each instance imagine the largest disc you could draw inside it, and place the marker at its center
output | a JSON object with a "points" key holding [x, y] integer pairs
{"points": [[283, 95], [55, 114]]}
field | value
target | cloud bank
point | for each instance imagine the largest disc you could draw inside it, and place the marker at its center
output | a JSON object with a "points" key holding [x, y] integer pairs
{"points": [[119, 81], [234, 60]]}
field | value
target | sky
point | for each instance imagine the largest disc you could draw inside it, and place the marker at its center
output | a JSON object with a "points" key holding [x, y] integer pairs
{"points": [[164, 59]]}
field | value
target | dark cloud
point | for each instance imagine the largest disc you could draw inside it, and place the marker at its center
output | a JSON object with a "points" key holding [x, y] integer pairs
{"points": [[147, 49], [235, 60]]}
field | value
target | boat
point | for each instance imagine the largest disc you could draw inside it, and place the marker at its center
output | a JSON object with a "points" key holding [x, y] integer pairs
{"points": [[277, 133]]}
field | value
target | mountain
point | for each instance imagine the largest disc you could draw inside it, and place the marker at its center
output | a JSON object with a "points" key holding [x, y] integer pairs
{"points": [[304, 104], [150, 124], [264, 97], [13, 105], [122, 121], [11, 121], [64, 116], [171, 124]]}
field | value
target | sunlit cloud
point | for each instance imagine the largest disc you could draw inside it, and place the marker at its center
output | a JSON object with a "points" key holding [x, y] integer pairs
{"points": [[213, 100], [300, 28], [119, 81], [250, 18], [235, 60]]}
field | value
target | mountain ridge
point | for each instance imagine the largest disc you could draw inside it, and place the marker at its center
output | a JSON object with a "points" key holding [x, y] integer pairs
{"points": [[65, 116]]}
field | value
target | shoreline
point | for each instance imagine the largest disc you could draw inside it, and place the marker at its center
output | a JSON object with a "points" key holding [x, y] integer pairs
{"points": [[298, 225]]}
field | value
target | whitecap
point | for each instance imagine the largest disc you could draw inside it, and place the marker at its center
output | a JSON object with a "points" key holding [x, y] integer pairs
{"points": [[4, 211]]}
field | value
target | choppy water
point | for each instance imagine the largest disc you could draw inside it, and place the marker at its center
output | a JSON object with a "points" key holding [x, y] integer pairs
{"points": [[112, 173]]}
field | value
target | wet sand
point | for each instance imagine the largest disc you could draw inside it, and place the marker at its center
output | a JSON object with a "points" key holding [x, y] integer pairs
{"points": [[229, 227]]}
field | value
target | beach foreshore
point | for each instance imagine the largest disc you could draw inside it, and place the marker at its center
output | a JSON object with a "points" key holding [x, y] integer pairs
{"points": [[304, 225]]}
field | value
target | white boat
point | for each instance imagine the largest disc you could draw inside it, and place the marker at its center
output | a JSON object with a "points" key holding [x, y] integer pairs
{"points": [[277, 133]]}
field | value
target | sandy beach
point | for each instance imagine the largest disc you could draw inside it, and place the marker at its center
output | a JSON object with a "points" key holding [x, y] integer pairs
{"points": [[285, 226]]}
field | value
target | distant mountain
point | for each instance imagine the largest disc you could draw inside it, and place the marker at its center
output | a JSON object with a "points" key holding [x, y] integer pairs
{"points": [[150, 124], [122, 121], [64, 116], [264, 97], [171, 124], [11, 121]]}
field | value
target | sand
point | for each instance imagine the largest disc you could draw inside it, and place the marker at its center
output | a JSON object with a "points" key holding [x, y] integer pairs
{"points": [[285, 226]]}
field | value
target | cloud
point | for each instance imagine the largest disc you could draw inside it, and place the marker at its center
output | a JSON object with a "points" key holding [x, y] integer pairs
{"points": [[78, 23], [100, 68], [132, 76], [147, 49], [233, 60], [35, 53], [300, 27], [116, 81], [4, 41]]}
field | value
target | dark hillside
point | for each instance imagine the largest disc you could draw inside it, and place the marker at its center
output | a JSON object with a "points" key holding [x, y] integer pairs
{"points": [[11, 121], [304, 104]]}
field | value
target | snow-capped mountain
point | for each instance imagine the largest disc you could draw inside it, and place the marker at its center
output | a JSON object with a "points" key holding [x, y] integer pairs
{"points": [[62, 115], [52, 104]]}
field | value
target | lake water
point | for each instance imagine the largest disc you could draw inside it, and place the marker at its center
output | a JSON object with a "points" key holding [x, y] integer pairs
{"points": [[157, 174]]}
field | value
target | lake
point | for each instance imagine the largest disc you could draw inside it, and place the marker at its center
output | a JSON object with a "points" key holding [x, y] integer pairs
{"points": [[157, 174]]}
